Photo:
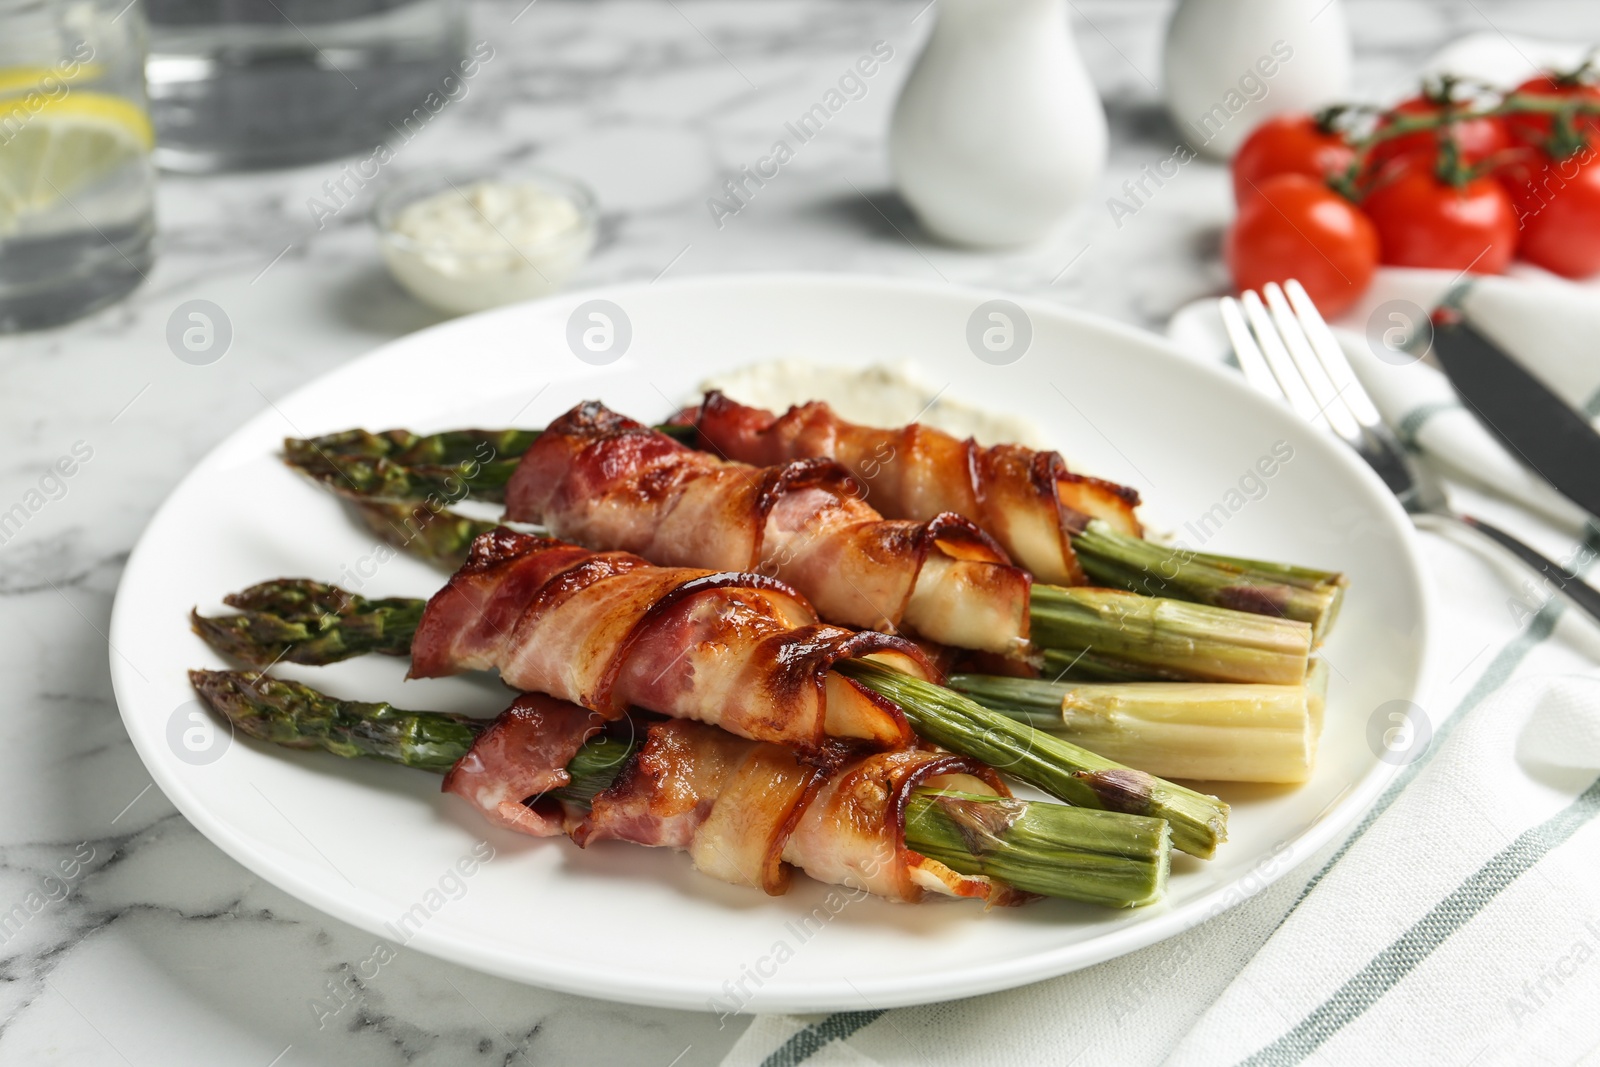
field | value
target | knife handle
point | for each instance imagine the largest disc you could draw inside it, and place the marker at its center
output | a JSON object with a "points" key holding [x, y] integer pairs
{"points": [[1576, 589]]}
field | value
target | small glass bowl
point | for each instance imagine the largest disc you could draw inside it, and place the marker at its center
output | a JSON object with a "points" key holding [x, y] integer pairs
{"points": [[445, 277]]}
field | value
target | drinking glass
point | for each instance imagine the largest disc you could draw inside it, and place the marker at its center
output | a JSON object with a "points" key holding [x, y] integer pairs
{"points": [[244, 84], [77, 185]]}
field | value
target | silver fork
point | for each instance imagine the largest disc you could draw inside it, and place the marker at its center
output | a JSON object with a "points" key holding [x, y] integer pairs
{"points": [[1286, 350]]}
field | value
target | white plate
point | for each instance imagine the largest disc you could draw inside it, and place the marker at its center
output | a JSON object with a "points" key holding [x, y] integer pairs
{"points": [[370, 843]]}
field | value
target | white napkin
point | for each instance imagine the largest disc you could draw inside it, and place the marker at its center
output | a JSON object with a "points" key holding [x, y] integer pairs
{"points": [[1550, 325]]}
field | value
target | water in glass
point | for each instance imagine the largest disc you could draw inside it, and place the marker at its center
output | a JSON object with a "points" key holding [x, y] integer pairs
{"points": [[77, 213]]}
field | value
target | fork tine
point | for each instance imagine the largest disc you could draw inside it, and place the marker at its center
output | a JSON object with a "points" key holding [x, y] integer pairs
{"points": [[1251, 361], [1277, 356], [1318, 383], [1334, 361]]}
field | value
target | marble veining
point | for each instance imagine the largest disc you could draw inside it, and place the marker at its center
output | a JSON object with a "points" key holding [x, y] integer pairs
{"points": [[125, 936]]}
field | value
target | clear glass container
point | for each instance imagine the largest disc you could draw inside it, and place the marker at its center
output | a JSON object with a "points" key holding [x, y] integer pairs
{"points": [[247, 84], [77, 186]]}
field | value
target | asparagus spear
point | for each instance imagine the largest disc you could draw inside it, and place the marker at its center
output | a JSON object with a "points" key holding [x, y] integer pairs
{"points": [[1050, 849], [1216, 732], [1101, 857], [1060, 768], [1121, 636], [398, 465], [297, 716], [1264, 588], [297, 620], [436, 535]]}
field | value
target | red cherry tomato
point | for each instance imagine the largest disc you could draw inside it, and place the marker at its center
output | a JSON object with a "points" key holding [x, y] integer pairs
{"points": [[1424, 222], [1287, 144], [1296, 227], [1476, 139], [1557, 204], [1534, 129]]}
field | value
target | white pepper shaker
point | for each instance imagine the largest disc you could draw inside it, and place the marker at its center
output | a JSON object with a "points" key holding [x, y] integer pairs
{"points": [[998, 133], [1228, 64]]}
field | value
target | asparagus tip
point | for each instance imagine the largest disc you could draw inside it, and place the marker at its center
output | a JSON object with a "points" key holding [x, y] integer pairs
{"points": [[239, 696], [229, 635]]}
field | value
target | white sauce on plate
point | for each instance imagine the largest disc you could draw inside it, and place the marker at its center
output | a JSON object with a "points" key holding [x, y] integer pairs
{"points": [[877, 395]]}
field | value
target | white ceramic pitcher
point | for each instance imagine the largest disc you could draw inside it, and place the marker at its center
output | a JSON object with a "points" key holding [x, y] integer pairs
{"points": [[998, 133]]}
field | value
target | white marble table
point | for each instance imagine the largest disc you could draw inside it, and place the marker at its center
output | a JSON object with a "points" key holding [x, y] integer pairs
{"points": [[161, 950]]}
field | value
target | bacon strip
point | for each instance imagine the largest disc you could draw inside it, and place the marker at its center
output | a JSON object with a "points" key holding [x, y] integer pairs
{"points": [[609, 631], [601, 479], [747, 812], [1027, 499], [523, 755], [853, 831]]}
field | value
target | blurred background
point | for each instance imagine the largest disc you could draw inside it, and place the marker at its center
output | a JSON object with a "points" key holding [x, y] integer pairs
{"points": [[277, 126]]}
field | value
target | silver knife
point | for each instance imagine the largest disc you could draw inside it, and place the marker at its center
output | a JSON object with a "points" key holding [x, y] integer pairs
{"points": [[1534, 424]]}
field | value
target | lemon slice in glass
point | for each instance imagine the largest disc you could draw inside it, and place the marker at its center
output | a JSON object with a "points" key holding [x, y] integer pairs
{"points": [[49, 148]]}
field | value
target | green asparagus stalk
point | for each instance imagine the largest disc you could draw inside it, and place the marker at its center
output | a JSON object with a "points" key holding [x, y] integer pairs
{"points": [[1102, 857], [439, 536], [1099, 857], [1087, 666], [398, 465], [1122, 636], [288, 713], [402, 446], [1196, 730], [1060, 768], [297, 620], [1271, 589]]}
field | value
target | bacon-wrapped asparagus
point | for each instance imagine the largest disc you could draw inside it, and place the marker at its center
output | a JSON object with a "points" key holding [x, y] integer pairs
{"points": [[606, 481], [606, 630], [744, 810], [556, 618], [1026, 499], [1061, 526], [1086, 633], [903, 824], [601, 479], [1192, 641]]}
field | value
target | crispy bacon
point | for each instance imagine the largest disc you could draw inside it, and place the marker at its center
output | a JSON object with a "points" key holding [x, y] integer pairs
{"points": [[853, 830], [601, 479], [609, 631], [1027, 499], [524, 755], [747, 812]]}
